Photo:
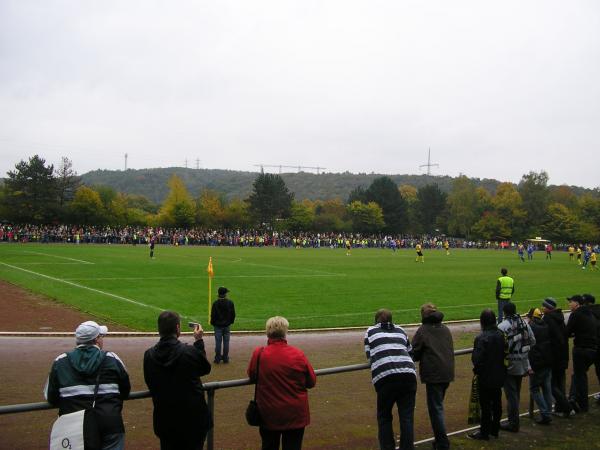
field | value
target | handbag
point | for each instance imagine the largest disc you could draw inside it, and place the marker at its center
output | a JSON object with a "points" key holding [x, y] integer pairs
{"points": [[77, 430], [252, 412]]}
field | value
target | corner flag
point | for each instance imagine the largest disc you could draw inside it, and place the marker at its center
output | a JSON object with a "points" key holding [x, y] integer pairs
{"points": [[211, 274]]}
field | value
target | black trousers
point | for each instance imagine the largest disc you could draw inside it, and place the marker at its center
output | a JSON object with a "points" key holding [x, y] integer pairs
{"points": [[490, 400], [559, 391], [196, 443], [290, 439]]}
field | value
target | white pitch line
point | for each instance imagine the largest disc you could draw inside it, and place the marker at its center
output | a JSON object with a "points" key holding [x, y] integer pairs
{"points": [[196, 277], [50, 264], [61, 257], [98, 291], [441, 308]]}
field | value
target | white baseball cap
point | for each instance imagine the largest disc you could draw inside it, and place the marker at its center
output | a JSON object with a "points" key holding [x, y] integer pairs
{"points": [[88, 331]]}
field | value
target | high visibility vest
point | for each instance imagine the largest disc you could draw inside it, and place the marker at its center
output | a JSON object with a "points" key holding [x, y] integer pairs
{"points": [[506, 287]]}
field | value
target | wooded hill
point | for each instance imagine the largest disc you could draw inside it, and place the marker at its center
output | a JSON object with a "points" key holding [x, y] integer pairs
{"points": [[152, 183]]}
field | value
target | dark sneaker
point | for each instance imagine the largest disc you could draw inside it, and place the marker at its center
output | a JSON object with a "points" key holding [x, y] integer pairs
{"points": [[478, 436], [544, 421], [508, 427]]}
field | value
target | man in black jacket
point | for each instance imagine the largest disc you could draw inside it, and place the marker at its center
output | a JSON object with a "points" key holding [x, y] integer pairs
{"points": [[489, 364], [590, 301], [222, 316], [172, 371], [583, 327], [540, 359], [559, 342], [434, 348], [73, 378]]}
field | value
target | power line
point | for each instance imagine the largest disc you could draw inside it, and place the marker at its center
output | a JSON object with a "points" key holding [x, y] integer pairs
{"points": [[281, 166]]}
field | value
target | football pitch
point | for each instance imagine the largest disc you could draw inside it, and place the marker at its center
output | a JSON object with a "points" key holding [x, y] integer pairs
{"points": [[313, 288]]}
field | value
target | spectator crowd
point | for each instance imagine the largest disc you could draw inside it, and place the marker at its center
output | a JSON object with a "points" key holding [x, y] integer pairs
{"points": [[535, 346]]}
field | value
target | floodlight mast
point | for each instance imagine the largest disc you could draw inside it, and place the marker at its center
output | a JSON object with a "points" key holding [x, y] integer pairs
{"points": [[429, 165]]}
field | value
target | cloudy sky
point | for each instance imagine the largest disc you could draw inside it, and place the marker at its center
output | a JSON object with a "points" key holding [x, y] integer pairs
{"points": [[496, 89]]}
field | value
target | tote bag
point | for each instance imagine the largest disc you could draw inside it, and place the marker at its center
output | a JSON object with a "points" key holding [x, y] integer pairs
{"points": [[67, 432]]}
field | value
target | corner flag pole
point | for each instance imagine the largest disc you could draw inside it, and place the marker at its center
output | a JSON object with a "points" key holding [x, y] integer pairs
{"points": [[211, 274]]}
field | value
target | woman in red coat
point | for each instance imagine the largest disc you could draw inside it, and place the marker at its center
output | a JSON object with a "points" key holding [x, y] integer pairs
{"points": [[284, 375]]}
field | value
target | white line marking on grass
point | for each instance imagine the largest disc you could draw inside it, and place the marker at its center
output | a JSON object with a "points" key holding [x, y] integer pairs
{"points": [[50, 264], [196, 277], [322, 272], [61, 257], [441, 308], [98, 291]]}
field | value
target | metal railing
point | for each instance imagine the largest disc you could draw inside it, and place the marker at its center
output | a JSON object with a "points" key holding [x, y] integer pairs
{"points": [[210, 389]]}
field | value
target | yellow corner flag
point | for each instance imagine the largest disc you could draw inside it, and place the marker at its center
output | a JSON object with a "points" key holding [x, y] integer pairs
{"points": [[211, 274]]}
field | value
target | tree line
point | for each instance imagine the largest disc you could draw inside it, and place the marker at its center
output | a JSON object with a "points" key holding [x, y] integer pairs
{"points": [[35, 192]]}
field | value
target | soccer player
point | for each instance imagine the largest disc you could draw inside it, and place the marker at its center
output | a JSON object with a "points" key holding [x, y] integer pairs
{"points": [[530, 250], [151, 245], [586, 256], [419, 251], [521, 252], [579, 254], [571, 253], [348, 247], [593, 260], [447, 247]]}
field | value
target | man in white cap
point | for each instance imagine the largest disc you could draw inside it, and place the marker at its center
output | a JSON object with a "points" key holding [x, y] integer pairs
{"points": [[72, 382]]}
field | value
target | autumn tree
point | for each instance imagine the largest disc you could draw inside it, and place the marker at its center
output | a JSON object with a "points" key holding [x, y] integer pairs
{"points": [[210, 209], [178, 208], [366, 218], [534, 192], [462, 207], [86, 208]]}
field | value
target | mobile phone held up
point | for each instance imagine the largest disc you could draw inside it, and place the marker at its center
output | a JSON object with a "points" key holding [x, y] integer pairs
{"points": [[193, 325]]}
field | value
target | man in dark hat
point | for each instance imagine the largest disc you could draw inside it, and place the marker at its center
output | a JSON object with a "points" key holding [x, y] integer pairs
{"points": [[555, 319], [582, 326], [222, 316]]}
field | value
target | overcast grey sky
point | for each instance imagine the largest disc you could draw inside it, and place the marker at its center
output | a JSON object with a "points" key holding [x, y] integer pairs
{"points": [[496, 89]]}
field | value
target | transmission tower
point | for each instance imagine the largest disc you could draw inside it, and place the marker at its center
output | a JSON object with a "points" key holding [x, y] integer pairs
{"points": [[429, 165], [125, 161]]}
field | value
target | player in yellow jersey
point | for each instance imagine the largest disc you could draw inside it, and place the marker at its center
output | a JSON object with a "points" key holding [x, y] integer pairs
{"points": [[348, 247], [419, 251], [593, 260], [447, 247], [571, 253], [579, 252]]}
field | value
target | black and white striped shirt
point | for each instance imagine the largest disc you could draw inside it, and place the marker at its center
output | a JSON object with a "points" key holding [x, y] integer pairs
{"points": [[387, 347]]}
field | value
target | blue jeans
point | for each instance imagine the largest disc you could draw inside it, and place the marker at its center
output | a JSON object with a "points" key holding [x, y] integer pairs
{"points": [[402, 395], [435, 406], [501, 303], [540, 388], [512, 390], [222, 335]]}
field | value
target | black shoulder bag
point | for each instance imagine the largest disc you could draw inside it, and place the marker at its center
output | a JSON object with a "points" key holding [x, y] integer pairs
{"points": [[252, 412]]}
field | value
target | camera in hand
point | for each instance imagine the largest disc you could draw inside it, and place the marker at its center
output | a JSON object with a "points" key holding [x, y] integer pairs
{"points": [[193, 325]]}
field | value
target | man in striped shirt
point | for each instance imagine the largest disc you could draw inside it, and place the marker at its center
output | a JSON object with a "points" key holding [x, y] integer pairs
{"points": [[394, 377]]}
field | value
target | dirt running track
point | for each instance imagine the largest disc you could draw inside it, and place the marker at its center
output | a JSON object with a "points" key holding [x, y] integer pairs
{"points": [[342, 406]]}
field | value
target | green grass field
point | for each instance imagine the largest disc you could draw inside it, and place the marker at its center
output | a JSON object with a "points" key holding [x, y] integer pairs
{"points": [[313, 288]]}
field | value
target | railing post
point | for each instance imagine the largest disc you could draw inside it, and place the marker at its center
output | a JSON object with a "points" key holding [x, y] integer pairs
{"points": [[211, 409]]}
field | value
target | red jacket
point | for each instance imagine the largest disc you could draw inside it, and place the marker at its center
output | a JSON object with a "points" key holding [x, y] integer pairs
{"points": [[283, 377]]}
